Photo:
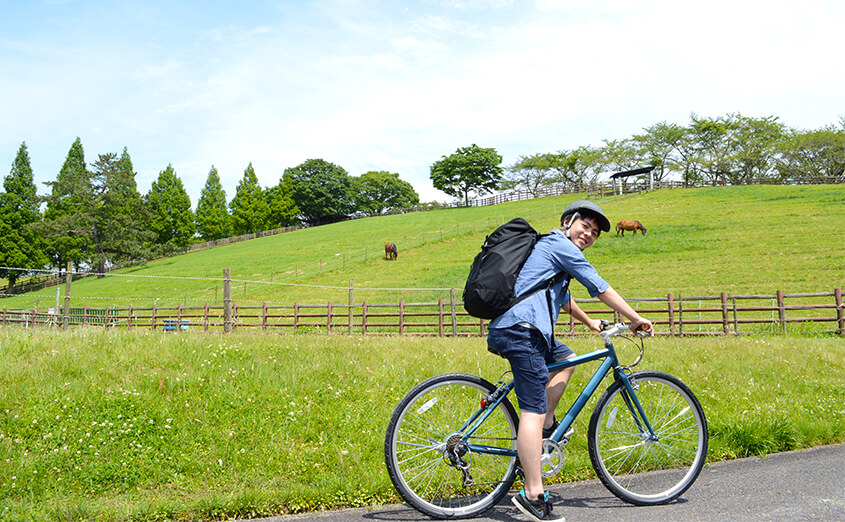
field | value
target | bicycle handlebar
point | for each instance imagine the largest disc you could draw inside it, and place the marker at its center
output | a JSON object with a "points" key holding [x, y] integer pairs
{"points": [[609, 330]]}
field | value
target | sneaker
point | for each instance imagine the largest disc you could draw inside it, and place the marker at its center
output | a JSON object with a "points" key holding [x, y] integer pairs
{"points": [[536, 510], [547, 432]]}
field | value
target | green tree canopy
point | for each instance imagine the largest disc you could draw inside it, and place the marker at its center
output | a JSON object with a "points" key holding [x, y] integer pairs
{"points": [[283, 209], [170, 206], [70, 193], [21, 248], [250, 211], [212, 216], [469, 169], [816, 154], [534, 172], [380, 191], [322, 191]]}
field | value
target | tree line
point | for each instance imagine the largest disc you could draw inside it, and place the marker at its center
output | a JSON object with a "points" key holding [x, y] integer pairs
{"points": [[95, 216], [725, 150]]}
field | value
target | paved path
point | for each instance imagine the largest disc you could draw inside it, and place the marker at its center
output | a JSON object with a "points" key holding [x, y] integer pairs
{"points": [[798, 485]]}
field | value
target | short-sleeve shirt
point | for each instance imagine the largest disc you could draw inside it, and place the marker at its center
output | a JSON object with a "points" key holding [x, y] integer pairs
{"points": [[553, 254]]}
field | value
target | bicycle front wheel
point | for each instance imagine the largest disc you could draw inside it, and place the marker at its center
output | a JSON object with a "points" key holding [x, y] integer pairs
{"points": [[431, 461], [634, 466]]}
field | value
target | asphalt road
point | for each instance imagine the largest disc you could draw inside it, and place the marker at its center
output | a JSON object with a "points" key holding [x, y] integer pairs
{"points": [[797, 485]]}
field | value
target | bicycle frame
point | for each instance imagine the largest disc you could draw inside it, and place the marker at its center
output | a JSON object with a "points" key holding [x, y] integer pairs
{"points": [[608, 353]]}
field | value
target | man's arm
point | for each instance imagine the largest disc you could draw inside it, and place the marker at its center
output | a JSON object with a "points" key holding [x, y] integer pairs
{"points": [[575, 311], [612, 299]]}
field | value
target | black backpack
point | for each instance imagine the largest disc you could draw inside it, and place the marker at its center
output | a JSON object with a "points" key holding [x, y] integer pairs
{"points": [[488, 292]]}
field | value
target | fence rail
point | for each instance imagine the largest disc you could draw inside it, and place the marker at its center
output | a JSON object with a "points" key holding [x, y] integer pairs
{"points": [[672, 315]]}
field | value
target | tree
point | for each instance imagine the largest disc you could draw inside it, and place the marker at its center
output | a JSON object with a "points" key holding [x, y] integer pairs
{"points": [[120, 228], [250, 211], [469, 169], [212, 216], [283, 209], [101, 212], [533, 172], [753, 144], [71, 191], [660, 146], [380, 191], [170, 206], [817, 154], [322, 191], [21, 248]]}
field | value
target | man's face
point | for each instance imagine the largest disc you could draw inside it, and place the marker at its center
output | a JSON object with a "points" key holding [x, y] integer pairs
{"points": [[584, 232]]}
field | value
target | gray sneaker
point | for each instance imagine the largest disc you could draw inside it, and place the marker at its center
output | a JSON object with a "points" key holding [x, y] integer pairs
{"points": [[536, 510]]}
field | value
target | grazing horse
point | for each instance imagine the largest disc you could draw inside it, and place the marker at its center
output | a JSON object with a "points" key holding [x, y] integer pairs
{"points": [[622, 226], [390, 251]]}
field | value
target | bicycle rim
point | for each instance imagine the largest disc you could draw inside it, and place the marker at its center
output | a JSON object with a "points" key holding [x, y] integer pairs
{"points": [[424, 427], [633, 467]]}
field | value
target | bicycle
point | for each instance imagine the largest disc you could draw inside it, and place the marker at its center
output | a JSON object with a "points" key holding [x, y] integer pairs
{"points": [[450, 446]]}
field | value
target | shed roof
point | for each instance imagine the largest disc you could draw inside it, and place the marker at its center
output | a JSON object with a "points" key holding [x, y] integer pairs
{"points": [[635, 172]]}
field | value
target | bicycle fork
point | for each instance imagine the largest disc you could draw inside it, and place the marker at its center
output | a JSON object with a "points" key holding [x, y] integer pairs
{"points": [[634, 407]]}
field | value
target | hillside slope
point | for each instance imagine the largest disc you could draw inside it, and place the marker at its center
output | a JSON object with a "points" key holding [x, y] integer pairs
{"points": [[746, 239]]}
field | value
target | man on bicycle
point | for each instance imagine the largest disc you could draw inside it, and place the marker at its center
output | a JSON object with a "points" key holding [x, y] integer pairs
{"points": [[523, 335]]}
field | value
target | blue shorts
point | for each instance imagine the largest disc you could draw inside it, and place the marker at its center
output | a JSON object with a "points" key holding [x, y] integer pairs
{"points": [[528, 354]]}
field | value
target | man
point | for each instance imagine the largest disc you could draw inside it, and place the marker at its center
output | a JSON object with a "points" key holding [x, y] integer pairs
{"points": [[523, 335]]}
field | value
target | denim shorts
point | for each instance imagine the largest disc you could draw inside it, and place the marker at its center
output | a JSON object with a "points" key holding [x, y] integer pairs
{"points": [[528, 354]]}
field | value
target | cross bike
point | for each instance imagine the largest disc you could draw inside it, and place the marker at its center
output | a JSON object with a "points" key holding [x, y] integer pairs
{"points": [[450, 446]]}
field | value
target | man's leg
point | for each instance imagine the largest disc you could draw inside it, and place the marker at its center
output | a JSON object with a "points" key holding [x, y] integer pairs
{"points": [[529, 448], [554, 391]]}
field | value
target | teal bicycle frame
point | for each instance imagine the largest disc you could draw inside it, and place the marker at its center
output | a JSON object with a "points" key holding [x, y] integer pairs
{"points": [[611, 362]]}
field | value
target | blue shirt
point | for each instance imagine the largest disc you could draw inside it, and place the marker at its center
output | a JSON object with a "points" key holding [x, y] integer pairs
{"points": [[553, 254]]}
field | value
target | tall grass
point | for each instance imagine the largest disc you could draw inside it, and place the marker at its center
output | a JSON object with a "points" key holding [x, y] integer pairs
{"points": [[149, 426]]}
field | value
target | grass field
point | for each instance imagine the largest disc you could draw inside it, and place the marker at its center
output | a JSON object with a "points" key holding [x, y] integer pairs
{"points": [[742, 240], [141, 426], [144, 426]]}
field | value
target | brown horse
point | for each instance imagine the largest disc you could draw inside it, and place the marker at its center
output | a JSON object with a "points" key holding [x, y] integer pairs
{"points": [[622, 226], [390, 251]]}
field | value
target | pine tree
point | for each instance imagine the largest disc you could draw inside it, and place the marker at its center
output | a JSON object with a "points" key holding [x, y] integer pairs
{"points": [[21, 248], [212, 216], [170, 206], [71, 191], [250, 210], [283, 209], [122, 218]]}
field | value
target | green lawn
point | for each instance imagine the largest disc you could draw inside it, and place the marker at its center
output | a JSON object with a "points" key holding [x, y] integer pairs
{"points": [[148, 426], [740, 240]]}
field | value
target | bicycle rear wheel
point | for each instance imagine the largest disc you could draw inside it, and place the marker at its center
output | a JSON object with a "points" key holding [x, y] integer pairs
{"points": [[633, 466], [428, 461]]}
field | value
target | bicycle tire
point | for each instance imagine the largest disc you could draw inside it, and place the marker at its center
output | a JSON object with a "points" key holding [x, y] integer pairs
{"points": [[421, 429], [641, 471]]}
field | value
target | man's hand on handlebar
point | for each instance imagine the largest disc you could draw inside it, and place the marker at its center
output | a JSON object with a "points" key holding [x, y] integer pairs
{"points": [[642, 325]]}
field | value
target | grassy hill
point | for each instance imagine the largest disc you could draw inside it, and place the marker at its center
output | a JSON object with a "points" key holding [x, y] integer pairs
{"points": [[745, 239]]}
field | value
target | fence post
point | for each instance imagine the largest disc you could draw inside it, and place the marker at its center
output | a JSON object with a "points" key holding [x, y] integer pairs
{"points": [[401, 316], [129, 318], [264, 316], [440, 317], [66, 308], [736, 323], [295, 317], [680, 315], [840, 313], [670, 300], [329, 317], [153, 318], [205, 316], [364, 318], [454, 312], [725, 329], [351, 300], [227, 300], [781, 311]]}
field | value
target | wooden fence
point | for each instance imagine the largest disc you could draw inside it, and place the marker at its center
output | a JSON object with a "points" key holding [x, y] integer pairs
{"points": [[672, 315]]}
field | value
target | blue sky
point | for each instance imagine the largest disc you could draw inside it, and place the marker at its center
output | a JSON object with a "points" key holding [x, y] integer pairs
{"points": [[393, 85]]}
